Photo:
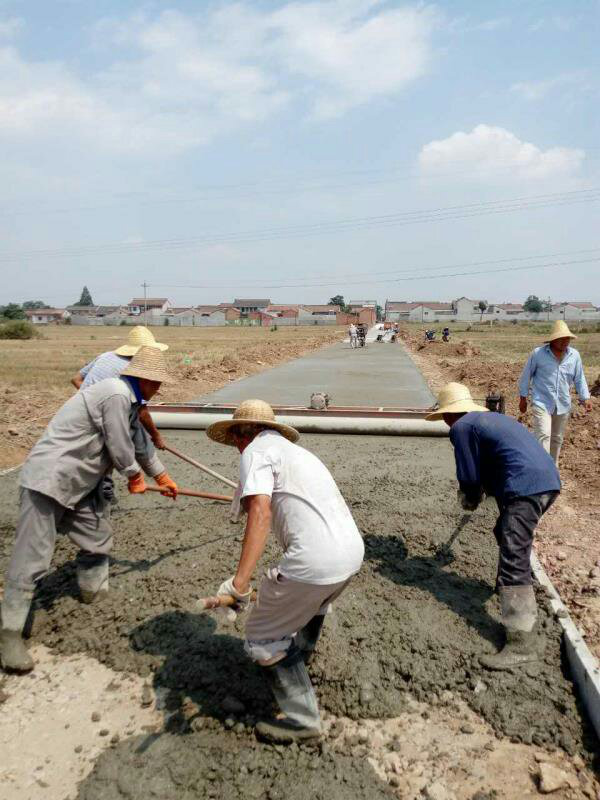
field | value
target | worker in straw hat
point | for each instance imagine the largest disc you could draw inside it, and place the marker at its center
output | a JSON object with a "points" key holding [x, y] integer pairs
{"points": [[497, 456], [285, 486], [60, 491], [550, 372], [110, 364]]}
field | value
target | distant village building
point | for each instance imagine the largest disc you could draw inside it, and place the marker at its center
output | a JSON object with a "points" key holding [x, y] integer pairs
{"points": [[467, 310], [46, 316], [151, 306]]}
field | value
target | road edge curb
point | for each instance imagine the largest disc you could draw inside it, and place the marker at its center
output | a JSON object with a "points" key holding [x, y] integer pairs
{"points": [[584, 665]]}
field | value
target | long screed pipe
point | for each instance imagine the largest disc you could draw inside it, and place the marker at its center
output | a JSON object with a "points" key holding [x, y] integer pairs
{"points": [[386, 426]]}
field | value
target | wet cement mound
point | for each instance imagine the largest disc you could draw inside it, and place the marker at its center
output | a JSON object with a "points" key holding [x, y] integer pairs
{"points": [[215, 764], [409, 622]]}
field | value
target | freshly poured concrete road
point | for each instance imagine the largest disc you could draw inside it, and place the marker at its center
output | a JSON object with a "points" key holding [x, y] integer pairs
{"points": [[376, 375]]}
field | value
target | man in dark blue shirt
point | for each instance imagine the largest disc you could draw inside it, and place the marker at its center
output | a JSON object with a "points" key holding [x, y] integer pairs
{"points": [[497, 456]]}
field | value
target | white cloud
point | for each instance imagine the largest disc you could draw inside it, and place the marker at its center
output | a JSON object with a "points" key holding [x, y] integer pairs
{"points": [[490, 151], [537, 90], [174, 81]]}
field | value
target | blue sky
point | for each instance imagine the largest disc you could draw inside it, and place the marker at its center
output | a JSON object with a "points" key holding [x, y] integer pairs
{"points": [[299, 150]]}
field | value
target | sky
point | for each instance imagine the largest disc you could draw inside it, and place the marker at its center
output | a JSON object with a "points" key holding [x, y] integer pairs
{"points": [[299, 150]]}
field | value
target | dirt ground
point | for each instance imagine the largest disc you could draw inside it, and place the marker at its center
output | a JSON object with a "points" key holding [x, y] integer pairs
{"points": [[35, 375], [567, 540], [409, 712]]}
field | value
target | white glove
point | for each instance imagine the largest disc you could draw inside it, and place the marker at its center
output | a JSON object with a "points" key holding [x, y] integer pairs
{"points": [[242, 600], [468, 505]]}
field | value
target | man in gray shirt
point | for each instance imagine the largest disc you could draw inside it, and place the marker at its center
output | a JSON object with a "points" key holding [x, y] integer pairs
{"points": [[60, 491]]}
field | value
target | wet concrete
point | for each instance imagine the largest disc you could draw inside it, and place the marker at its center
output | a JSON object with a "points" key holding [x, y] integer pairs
{"points": [[376, 375], [408, 622]]}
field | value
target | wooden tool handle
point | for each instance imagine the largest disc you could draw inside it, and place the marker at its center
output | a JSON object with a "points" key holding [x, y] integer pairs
{"points": [[219, 601], [223, 498], [203, 467]]}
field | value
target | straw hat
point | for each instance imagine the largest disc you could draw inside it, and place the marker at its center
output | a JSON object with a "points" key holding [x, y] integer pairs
{"points": [[454, 398], [560, 330], [139, 337], [247, 413], [148, 363]]}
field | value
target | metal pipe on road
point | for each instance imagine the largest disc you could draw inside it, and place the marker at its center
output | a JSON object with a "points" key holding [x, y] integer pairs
{"points": [[307, 423]]}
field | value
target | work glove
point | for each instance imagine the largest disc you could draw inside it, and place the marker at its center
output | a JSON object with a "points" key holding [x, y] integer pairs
{"points": [[242, 600], [468, 505], [137, 484], [167, 485]]}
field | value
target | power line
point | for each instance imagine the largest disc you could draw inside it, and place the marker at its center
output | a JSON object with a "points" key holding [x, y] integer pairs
{"points": [[449, 213], [388, 280], [280, 185]]}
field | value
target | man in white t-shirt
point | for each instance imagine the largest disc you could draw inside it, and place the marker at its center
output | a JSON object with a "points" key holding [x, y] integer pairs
{"points": [[286, 487], [353, 334]]}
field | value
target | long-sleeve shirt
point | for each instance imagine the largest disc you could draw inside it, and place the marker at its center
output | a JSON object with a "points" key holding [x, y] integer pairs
{"points": [[498, 455], [88, 436], [106, 365], [550, 380]]}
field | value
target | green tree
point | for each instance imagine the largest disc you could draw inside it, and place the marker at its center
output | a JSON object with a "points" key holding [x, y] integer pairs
{"points": [[85, 299], [32, 304], [12, 311], [482, 307], [533, 304], [337, 300]]}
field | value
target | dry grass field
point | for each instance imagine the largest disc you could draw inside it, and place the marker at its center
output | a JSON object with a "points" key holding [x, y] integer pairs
{"points": [[35, 374]]}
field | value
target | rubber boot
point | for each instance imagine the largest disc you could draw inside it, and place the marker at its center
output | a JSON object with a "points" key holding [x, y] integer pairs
{"points": [[307, 637], [92, 576], [15, 608], [296, 698], [519, 614]]}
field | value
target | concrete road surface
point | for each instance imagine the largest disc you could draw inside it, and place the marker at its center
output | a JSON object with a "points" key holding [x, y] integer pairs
{"points": [[375, 375]]}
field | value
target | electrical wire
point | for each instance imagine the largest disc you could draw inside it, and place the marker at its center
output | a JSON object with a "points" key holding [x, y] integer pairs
{"points": [[449, 213]]}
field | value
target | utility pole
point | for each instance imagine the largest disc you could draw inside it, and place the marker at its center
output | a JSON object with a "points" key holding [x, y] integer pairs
{"points": [[145, 285]]}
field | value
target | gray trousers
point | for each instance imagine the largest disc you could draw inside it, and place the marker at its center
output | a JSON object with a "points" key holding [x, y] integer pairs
{"points": [[40, 519]]}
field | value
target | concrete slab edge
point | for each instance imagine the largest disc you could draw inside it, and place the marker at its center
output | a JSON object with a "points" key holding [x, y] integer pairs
{"points": [[584, 666]]}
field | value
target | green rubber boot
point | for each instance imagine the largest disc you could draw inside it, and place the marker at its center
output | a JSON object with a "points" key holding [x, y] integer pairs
{"points": [[519, 615], [92, 577], [296, 698], [14, 656]]}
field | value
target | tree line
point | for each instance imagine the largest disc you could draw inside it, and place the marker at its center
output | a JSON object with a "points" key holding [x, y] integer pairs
{"points": [[17, 311]]}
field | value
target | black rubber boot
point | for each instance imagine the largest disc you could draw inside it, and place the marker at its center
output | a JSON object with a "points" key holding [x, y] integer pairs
{"points": [[519, 615], [15, 608], [296, 698], [306, 639]]}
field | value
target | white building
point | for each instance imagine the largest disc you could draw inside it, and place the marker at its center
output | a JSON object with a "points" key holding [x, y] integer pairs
{"points": [[150, 306], [46, 316]]}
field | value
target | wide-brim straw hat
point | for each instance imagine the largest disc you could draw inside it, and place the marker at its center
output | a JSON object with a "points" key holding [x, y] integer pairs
{"points": [[560, 330], [148, 363], [138, 337], [250, 412], [454, 398]]}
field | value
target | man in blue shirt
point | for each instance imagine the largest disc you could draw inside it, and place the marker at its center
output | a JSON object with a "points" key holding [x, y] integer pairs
{"points": [[549, 373], [497, 456]]}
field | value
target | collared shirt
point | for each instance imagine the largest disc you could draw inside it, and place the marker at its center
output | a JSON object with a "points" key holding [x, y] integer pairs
{"points": [[550, 380], [310, 518], [106, 365], [498, 455], [88, 436]]}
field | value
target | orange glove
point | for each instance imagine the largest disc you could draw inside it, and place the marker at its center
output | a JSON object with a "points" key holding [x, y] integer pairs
{"points": [[137, 484], [167, 485]]}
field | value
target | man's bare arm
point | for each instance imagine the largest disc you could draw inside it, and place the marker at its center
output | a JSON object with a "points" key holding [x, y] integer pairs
{"points": [[258, 526], [77, 380]]}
